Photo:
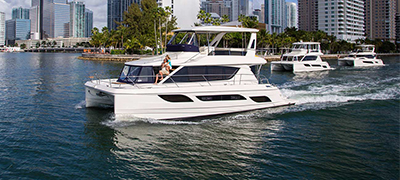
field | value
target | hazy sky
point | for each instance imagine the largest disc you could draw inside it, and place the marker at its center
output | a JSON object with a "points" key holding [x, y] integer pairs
{"points": [[99, 8]]}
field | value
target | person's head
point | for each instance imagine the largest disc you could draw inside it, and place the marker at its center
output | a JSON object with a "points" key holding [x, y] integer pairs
{"points": [[167, 57]]}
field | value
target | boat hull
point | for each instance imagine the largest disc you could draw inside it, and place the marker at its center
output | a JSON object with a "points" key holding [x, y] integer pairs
{"points": [[150, 103], [300, 66], [360, 62]]}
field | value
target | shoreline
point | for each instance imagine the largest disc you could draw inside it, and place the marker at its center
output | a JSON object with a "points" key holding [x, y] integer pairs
{"points": [[125, 58]]}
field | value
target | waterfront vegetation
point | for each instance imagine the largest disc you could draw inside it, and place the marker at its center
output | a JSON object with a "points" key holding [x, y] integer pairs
{"points": [[144, 25], [147, 26]]}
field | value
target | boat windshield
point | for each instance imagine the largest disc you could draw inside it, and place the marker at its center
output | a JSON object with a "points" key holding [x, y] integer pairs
{"points": [[183, 41], [137, 74]]}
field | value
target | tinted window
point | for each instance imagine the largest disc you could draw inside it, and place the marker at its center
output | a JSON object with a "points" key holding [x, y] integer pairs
{"points": [[260, 99], [221, 98], [310, 58], [203, 73], [137, 74], [176, 98]]}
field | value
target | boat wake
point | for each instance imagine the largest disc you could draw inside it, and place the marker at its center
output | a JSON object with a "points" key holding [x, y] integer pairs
{"points": [[131, 120]]}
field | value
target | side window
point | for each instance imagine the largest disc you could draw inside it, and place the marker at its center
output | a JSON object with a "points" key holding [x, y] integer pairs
{"points": [[203, 73], [146, 75], [310, 58]]}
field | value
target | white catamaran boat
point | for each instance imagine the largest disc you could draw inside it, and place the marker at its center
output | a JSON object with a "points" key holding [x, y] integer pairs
{"points": [[304, 57], [204, 81], [364, 56]]}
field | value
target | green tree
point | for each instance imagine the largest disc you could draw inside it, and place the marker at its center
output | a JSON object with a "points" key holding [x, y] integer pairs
{"points": [[248, 22], [37, 44], [23, 46]]}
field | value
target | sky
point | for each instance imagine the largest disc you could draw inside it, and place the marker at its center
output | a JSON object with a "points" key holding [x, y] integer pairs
{"points": [[99, 8]]}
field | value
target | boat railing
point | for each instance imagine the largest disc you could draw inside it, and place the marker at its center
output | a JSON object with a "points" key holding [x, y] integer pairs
{"points": [[178, 80]]}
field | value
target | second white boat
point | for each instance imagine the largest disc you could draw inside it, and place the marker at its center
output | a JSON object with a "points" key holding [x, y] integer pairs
{"points": [[304, 57]]}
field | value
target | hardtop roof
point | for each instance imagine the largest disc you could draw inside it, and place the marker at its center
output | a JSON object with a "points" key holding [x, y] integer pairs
{"points": [[216, 29]]}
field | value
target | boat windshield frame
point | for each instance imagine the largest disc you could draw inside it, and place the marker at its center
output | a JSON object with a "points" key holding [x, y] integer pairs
{"points": [[187, 43]]}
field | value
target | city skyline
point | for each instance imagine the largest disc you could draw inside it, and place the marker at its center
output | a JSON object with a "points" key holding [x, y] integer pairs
{"points": [[99, 8]]}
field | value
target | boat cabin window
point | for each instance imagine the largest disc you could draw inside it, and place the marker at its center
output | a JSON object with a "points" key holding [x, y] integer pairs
{"points": [[183, 41], [203, 73], [137, 74], [310, 58]]}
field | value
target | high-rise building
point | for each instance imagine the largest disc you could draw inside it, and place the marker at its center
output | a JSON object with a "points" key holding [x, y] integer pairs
{"points": [[184, 10], [115, 11], [308, 15], [291, 15], [380, 19], [47, 21], [262, 17], [217, 6], [34, 16], [342, 18], [88, 22], [257, 12], [77, 19], [2, 28], [274, 15], [61, 19], [17, 29], [20, 13], [398, 23]]}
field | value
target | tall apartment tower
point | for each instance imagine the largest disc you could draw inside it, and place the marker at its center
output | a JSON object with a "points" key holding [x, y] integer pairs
{"points": [[380, 19], [274, 15], [20, 13], [217, 6], [291, 15], [34, 16], [2, 28], [61, 19], [77, 19], [184, 10], [398, 23], [88, 22], [115, 11], [308, 15], [342, 18]]}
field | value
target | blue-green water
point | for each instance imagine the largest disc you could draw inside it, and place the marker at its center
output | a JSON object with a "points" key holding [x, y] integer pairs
{"points": [[346, 125]]}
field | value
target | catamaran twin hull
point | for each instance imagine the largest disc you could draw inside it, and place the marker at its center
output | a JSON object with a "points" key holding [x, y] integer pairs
{"points": [[184, 102], [360, 62], [299, 66]]}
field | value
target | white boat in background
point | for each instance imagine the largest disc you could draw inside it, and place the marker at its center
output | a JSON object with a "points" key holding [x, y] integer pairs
{"points": [[304, 57], [363, 57], [208, 80]]}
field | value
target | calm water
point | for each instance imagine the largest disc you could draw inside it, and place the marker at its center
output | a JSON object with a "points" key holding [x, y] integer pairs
{"points": [[346, 126]]}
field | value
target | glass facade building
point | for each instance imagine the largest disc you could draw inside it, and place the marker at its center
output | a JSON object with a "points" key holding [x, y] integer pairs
{"points": [[61, 20], [20, 13], [2, 28], [17, 29], [115, 11], [274, 15], [77, 19], [291, 15], [88, 22]]}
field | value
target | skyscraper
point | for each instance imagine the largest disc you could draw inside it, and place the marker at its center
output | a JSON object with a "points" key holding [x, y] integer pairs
{"points": [[2, 28], [77, 19], [88, 22], [308, 15], [380, 19], [47, 23], [34, 16], [61, 19], [291, 15], [20, 13], [342, 18], [17, 29], [115, 11], [274, 15]]}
